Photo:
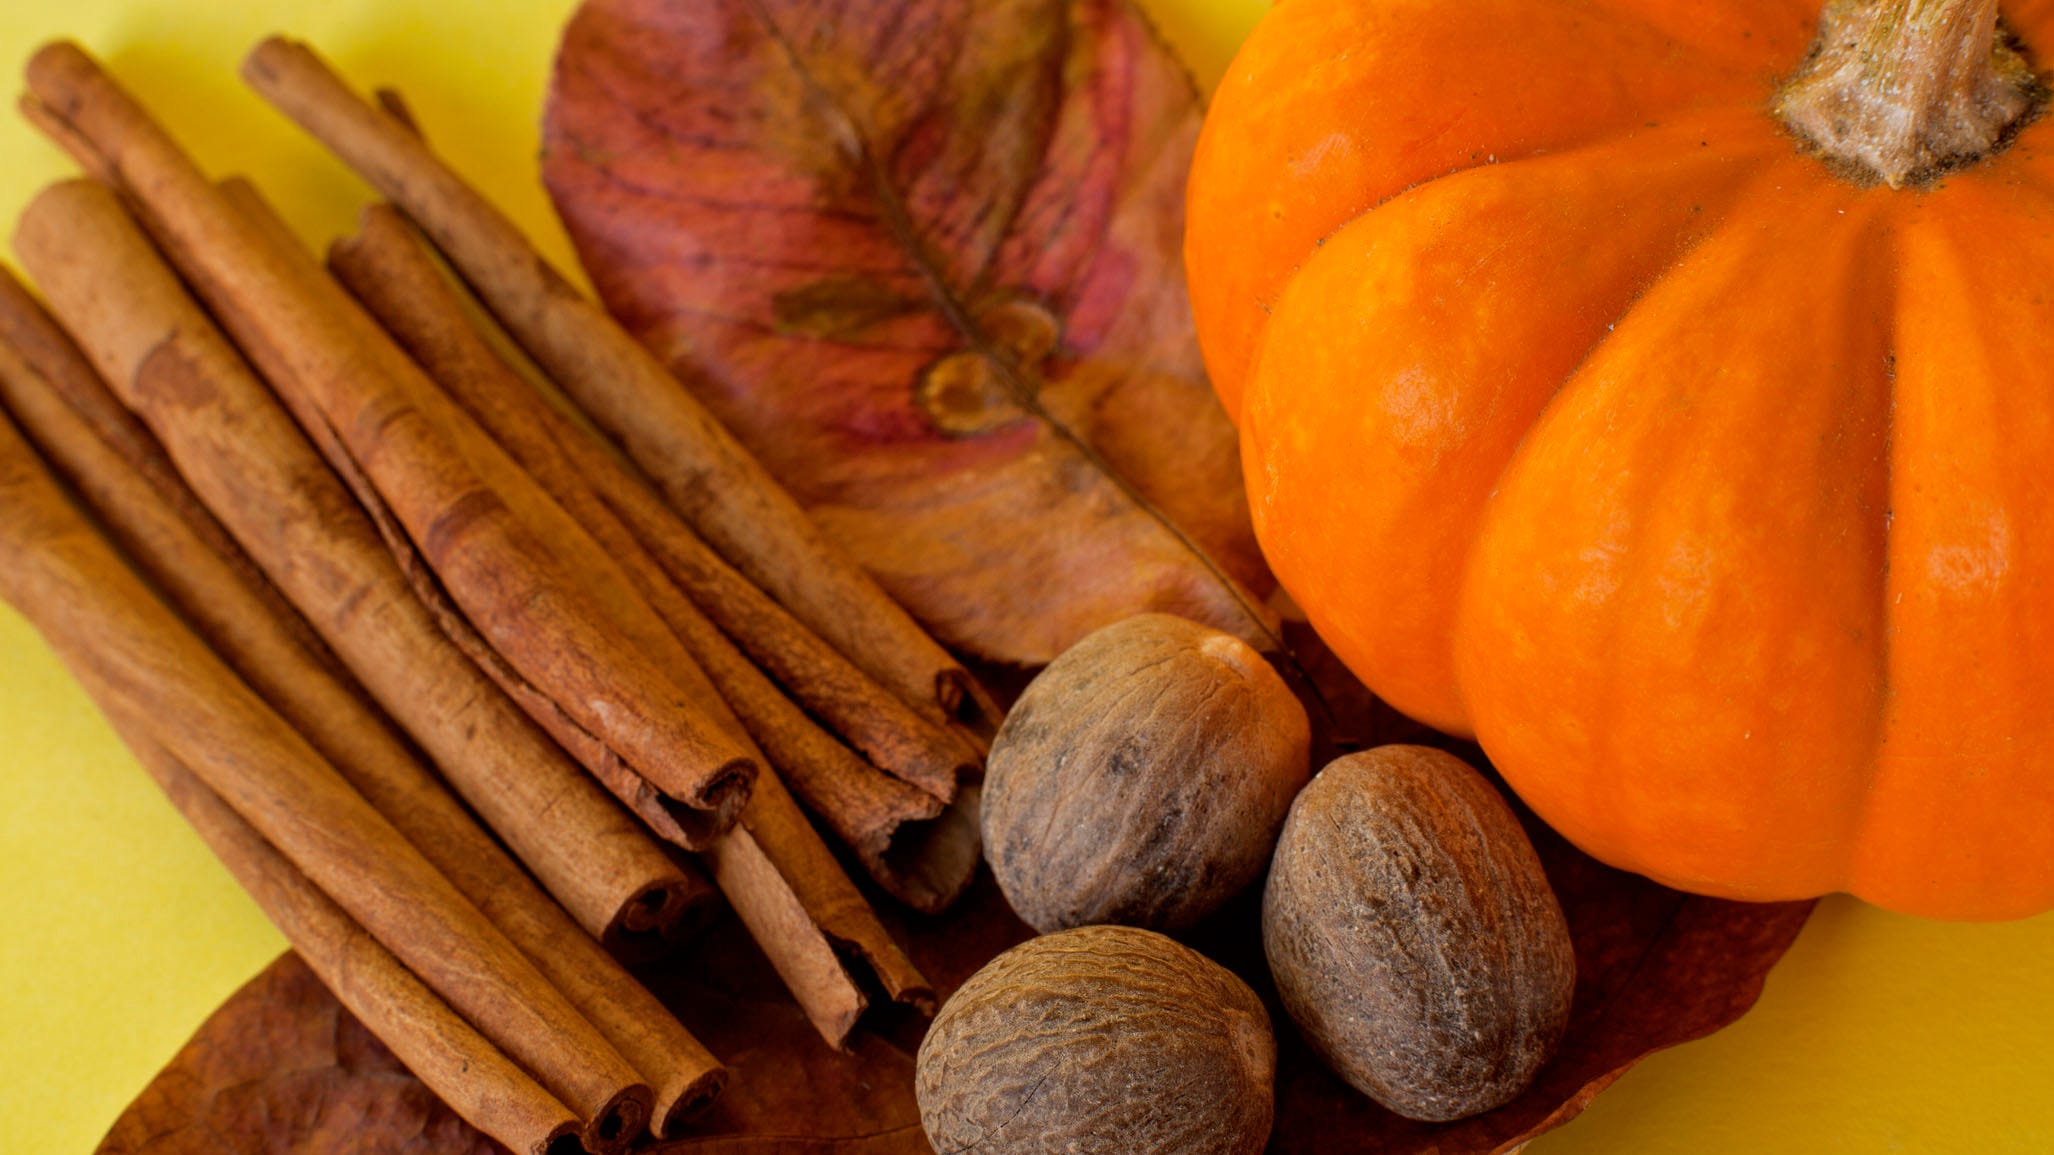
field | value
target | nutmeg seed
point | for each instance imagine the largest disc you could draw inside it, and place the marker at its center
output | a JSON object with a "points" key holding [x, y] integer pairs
{"points": [[1103, 1040], [1142, 777], [1413, 937]]}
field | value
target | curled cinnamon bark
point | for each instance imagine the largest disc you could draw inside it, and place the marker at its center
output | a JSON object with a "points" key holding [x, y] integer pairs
{"points": [[302, 332], [385, 266], [255, 472], [148, 667], [774, 869], [226, 604], [701, 470], [772, 866], [582, 568], [889, 823], [43, 347], [312, 342], [463, 1068]]}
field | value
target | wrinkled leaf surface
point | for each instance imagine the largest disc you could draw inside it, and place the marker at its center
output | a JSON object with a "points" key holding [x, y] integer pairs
{"points": [[281, 1070], [925, 258], [282, 1067]]}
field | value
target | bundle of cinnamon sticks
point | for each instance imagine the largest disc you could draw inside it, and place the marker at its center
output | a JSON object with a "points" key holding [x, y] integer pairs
{"points": [[463, 664]]}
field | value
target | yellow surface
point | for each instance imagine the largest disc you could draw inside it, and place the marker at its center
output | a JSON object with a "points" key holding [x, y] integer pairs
{"points": [[1878, 1033]]}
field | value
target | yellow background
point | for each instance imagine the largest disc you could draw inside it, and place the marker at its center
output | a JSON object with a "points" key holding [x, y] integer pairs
{"points": [[118, 934]]}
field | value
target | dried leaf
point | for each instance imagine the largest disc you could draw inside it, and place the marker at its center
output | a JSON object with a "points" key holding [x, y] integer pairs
{"points": [[282, 1070], [281, 1067], [924, 257], [1656, 968]]}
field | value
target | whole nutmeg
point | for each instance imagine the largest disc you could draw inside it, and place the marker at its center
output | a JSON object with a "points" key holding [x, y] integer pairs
{"points": [[1142, 777], [1413, 937], [1104, 1039]]}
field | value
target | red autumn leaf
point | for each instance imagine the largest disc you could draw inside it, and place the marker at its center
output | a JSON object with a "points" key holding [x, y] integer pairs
{"points": [[924, 257]]}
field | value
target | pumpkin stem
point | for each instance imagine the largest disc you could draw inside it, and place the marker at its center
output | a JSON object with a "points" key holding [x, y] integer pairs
{"points": [[1904, 90]]}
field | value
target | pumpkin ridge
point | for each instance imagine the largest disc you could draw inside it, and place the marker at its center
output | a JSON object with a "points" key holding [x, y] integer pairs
{"points": [[1615, 699], [1597, 799], [1962, 761], [1445, 305], [1598, 139], [1870, 768]]}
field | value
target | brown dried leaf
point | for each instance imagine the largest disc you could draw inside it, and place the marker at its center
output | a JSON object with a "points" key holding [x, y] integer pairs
{"points": [[1656, 968], [282, 1067], [924, 257], [282, 1070]]}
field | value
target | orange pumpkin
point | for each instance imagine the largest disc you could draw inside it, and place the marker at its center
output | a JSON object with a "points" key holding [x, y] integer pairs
{"points": [[1624, 383]]}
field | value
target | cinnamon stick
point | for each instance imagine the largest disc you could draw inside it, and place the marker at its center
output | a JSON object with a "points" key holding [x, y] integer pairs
{"points": [[226, 604], [387, 267], [301, 331], [836, 907], [580, 566], [126, 645], [43, 345], [257, 290], [463, 1068], [829, 685], [701, 470], [244, 458], [802, 876], [772, 866]]}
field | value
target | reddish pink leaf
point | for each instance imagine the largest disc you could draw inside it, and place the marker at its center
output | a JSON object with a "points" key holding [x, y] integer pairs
{"points": [[907, 249]]}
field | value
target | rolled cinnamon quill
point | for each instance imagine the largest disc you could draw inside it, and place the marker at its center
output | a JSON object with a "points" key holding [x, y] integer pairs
{"points": [[386, 267], [133, 652], [774, 869], [250, 465], [302, 332], [613, 611], [701, 470], [463, 1068], [225, 604], [43, 345], [889, 823]]}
